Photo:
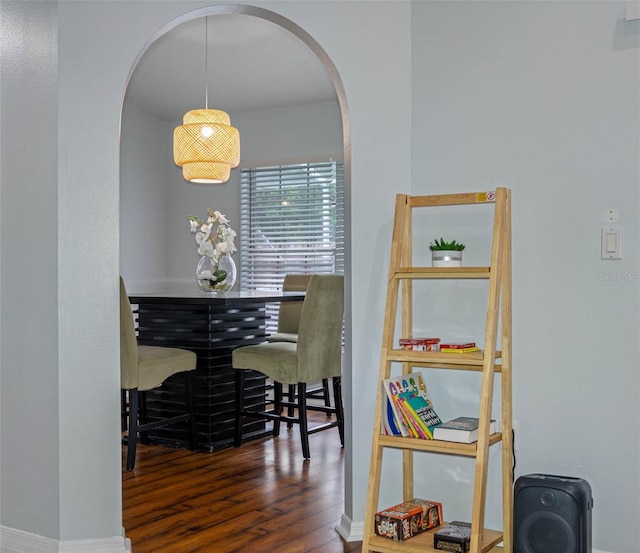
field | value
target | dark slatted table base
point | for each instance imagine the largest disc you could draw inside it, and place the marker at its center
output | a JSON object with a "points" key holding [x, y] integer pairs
{"points": [[212, 332]]}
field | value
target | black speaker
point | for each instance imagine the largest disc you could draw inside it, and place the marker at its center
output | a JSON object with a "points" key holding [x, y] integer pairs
{"points": [[552, 514]]}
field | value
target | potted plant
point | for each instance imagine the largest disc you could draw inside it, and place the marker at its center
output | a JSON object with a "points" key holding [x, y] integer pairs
{"points": [[446, 254]]}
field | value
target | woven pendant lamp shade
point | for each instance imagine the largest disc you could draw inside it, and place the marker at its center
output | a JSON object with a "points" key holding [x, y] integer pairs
{"points": [[206, 146]]}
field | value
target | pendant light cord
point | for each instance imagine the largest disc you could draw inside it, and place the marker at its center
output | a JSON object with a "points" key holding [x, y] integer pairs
{"points": [[206, 63]]}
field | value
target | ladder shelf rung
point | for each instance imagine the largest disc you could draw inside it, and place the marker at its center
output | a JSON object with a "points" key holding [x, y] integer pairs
{"points": [[435, 446], [472, 360], [404, 273], [462, 198]]}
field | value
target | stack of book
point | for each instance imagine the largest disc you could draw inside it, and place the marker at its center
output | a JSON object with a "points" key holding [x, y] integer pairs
{"points": [[458, 347], [407, 407]]}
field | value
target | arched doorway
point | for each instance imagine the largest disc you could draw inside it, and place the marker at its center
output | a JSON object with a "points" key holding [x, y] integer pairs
{"points": [[291, 28]]}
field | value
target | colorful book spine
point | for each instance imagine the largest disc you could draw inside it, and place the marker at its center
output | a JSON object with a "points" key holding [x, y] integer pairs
{"points": [[426, 432], [458, 345], [422, 410], [408, 410], [389, 421], [415, 430], [459, 350], [392, 388]]}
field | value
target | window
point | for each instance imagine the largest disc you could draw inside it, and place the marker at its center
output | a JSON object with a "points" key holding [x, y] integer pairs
{"points": [[291, 221]]}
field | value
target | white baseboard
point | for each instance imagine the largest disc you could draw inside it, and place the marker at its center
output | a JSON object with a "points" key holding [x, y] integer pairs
{"points": [[19, 541], [349, 530]]}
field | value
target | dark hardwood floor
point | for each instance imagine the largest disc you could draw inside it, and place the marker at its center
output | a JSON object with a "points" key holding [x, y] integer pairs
{"points": [[260, 498]]}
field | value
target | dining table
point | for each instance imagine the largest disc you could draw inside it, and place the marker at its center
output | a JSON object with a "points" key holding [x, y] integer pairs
{"points": [[212, 325]]}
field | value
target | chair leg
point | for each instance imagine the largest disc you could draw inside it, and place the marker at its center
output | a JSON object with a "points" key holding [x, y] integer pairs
{"points": [[337, 393], [123, 410], [291, 397], [325, 394], [277, 406], [142, 415], [190, 397], [237, 435], [132, 439], [321, 393], [302, 417]]}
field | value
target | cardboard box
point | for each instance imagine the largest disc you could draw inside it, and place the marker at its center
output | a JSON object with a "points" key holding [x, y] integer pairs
{"points": [[454, 536], [420, 344], [408, 519]]}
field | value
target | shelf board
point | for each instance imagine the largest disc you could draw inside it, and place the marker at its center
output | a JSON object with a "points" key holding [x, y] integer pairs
{"points": [[435, 446], [441, 272], [423, 543], [472, 360], [460, 198]]}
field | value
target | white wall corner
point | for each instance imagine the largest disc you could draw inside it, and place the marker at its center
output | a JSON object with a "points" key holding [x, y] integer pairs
{"points": [[350, 531], [18, 541], [633, 10]]}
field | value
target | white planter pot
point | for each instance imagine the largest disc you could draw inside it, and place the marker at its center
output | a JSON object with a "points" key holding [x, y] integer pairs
{"points": [[446, 258]]}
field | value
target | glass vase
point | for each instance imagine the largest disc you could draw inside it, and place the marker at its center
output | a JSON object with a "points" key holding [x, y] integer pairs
{"points": [[216, 274]]}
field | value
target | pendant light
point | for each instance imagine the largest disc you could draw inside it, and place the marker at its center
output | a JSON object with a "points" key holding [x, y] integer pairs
{"points": [[206, 146]]}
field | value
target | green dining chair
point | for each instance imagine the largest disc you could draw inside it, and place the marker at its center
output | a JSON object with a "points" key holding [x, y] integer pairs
{"points": [[288, 324], [290, 311], [143, 368], [316, 355]]}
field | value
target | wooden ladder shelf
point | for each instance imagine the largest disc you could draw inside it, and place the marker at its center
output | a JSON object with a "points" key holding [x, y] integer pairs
{"points": [[489, 361]]}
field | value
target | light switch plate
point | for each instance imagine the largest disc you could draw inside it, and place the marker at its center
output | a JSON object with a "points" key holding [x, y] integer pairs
{"points": [[611, 242]]}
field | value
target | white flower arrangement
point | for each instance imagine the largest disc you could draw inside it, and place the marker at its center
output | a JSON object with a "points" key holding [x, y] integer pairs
{"points": [[215, 238]]}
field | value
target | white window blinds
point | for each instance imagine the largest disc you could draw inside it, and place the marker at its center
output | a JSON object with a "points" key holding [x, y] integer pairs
{"points": [[291, 221]]}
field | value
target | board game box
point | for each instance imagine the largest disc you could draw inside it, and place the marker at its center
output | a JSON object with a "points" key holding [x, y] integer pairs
{"points": [[454, 536], [408, 519], [420, 344]]}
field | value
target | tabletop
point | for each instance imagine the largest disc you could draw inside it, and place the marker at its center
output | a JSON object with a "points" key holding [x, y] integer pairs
{"points": [[228, 298]]}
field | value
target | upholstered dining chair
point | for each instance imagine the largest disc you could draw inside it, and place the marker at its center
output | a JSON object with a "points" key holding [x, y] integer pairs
{"points": [[316, 355], [287, 331], [290, 311], [143, 368]]}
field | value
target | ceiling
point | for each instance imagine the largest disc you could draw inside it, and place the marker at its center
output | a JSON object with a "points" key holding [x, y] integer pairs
{"points": [[251, 63]]}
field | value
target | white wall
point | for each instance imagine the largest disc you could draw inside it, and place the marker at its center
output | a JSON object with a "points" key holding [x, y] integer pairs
{"points": [[97, 48], [543, 97], [29, 363], [145, 147]]}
